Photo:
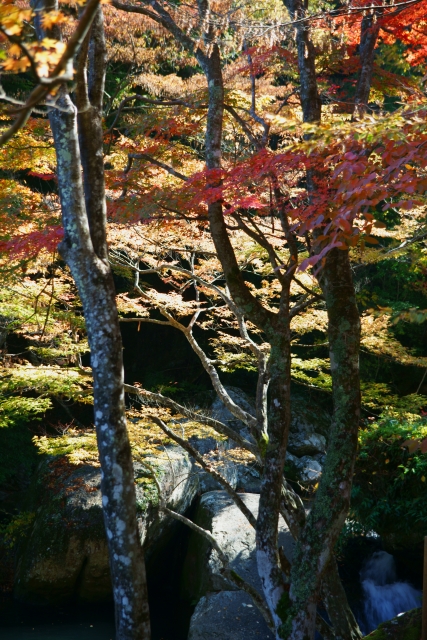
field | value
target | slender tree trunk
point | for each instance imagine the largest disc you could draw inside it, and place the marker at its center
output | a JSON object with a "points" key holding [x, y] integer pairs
{"points": [[314, 569], [96, 289], [330, 507], [278, 332], [369, 31], [84, 249], [336, 604]]}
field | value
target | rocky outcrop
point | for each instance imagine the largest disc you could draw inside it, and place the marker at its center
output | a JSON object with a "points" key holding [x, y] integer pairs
{"points": [[65, 554], [307, 439], [202, 568], [228, 615]]}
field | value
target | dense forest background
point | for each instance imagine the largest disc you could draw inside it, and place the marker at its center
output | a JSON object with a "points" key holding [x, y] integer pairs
{"points": [[370, 164]]}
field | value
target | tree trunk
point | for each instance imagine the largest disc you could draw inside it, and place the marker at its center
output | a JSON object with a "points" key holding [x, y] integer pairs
{"points": [[84, 249], [330, 507], [369, 31]]}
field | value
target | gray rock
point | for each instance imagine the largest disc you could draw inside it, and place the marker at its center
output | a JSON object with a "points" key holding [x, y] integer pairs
{"points": [[307, 439], [306, 444], [202, 568], [65, 554], [220, 412], [307, 416], [228, 615], [248, 478], [207, 483], [306, 470]]}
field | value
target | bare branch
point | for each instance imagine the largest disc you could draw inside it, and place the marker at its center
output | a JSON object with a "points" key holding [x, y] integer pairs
{"points": [[158, 163], [218, 426], [209, 468], [229, 573]]}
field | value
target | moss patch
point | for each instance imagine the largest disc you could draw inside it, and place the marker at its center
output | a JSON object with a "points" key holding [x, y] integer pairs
{"points": [[405, 627]]}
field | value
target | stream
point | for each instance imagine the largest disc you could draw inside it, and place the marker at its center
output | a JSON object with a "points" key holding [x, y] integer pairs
{"points": [[383, 596]]}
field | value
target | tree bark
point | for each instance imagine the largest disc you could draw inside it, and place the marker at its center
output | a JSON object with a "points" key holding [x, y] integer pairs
{"points": [[314, 566], [369, 31], [315, 546], [84, 248]]}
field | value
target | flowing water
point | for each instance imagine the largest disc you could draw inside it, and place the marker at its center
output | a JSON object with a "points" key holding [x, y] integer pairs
{"points": [[384, 596]]}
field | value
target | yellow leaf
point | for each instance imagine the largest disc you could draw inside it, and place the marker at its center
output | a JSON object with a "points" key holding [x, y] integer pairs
{"points": [[423, 478], [53, 17], [14, 50]]}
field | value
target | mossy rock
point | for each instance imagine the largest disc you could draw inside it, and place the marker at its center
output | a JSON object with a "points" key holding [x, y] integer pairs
{"points": [[63, 555], [407, 626]]}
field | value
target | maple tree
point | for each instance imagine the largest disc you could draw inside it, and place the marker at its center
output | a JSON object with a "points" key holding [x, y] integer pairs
{"points": [[236, 155]]}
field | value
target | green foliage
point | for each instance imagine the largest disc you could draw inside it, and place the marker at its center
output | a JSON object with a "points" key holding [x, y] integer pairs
{"points": [[390, 483], [18, 410], [46, 380], [17, 528], [17, 454], [77, 446]]}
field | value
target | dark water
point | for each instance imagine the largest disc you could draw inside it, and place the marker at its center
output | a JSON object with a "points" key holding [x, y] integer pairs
{"points": [[75, 622], [170, 612]]}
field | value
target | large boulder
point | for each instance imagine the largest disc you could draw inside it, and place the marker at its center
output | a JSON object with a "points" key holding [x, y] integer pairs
{"points": [[65, 555], [228, 615], [202, 567]]}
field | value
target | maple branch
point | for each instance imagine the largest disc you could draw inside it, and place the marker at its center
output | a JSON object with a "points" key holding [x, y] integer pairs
{"points": [[297, 308], [152, 320], [218, 426], [260, 238], [62, 72], [252, 110], [209, 468], [204, 283], [243, 124], [285, 100], [16, 40], [158, 163], [160, 103], [165, 19], [302, 285], [207, 364]]}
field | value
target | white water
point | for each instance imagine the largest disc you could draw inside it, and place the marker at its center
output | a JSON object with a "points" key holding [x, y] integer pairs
{"points": [[384, 596]]}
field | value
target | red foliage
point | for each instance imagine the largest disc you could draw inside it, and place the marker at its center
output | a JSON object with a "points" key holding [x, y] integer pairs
{"points": [[29, 245]]}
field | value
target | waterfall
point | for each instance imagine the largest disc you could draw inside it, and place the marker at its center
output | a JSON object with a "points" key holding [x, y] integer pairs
{"points": [[384, 596]]}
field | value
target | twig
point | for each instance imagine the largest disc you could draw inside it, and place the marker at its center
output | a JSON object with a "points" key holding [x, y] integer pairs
{"points": [[220, 427], [209, 468], [227, 571]]}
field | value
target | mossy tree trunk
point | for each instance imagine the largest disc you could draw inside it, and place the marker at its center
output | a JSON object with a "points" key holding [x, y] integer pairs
{"points": [[78, 141]]}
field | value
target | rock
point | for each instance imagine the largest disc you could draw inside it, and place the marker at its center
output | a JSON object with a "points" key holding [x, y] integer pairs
{"points": [[307, 418], [220, 412], [306, 444], [306, 470], [65, 554], [218, 513], [228, 615], [406, 626], [248, 478], [307, 440]]}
